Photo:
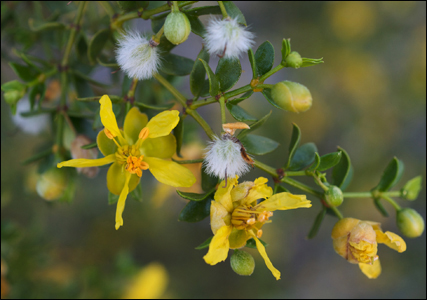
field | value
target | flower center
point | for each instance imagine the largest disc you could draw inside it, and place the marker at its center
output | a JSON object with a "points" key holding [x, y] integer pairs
{"points": [[245, 217], [363, 251], [131, 157]]}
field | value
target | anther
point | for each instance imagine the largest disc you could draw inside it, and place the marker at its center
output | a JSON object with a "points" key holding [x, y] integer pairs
{"points": [[251, 221], [108, 133], [143, 134], [259, 233]]}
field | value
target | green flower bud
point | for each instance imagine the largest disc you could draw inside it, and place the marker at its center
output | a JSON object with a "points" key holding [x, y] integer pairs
{"points": [[291, 96], [242, 263], [52, 184], [410, 222], [334, 196], [293, 60], [13, 92], [177, 27]]}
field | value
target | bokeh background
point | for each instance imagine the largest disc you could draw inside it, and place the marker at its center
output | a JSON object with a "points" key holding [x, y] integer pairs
{"points": [[369, 98]]}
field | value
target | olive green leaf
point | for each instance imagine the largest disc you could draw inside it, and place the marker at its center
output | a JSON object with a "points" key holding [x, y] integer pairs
{"points": [[195, 211], [329, 160], [342, 173], [412, 188], [392, 174], [228, 72], [213, 81], [316, 225], [258, 145], [176, 65], [264, 57], [303, 157]]}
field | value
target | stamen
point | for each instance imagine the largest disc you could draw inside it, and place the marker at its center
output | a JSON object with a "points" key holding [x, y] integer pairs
{"points": [[259, 233], [135, 165], [110, 136], [263, 217], [251, 221], [144, 133]]}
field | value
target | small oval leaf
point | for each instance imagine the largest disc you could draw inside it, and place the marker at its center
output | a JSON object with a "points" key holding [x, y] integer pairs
{"points": [[213, 81], [412, 188], [195, 211], [316, 163], [316, 225], [97, 43], [205, 244], [258, 145], [329, 160], [208, 181], [176, 65], [234, 12], [343, 171], [253, 126], [26, 73], [228, 73], [239, 113], [293, 145], [251, 57], [193, 196], [198, 73], [264, 57], [303, 157], [392, 174]]}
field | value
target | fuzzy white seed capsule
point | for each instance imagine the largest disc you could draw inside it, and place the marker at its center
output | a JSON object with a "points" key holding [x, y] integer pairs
{"points": [[224, 157], [227, 38], [136, 56]]}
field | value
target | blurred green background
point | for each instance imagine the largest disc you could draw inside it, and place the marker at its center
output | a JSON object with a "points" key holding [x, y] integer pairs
{"points": [[369, 98]]}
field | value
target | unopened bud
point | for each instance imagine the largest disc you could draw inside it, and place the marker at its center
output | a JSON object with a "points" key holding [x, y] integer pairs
{"points": [[177, 27], [242, 263], [291, 96], [334, 196], [293, 60], [77, 152], [52, 184], [13, 92], [410, 222]]}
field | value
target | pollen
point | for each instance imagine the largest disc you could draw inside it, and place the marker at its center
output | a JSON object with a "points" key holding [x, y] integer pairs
{"points": [[135, 165], [263, 217], [259, 233]]}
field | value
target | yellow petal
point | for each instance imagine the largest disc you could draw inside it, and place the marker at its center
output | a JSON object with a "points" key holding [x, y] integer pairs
{"points": [[238, 238], [161, 147], [149, 283], [284, 201], [261, 250], [122, 201], [170, 173], [391, 240], [219, 216], [260, 190], [219, 246], [105, 145], [223, 194], [108, 118], [116, 178], [134, 122], [371, 271], [343, 227], [163, 123], [83, 163]]}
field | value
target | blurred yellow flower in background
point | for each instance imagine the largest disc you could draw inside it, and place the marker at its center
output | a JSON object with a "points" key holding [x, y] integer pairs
{"points": [[357, 242], [237, 217], [141, 145], [149, 283]]}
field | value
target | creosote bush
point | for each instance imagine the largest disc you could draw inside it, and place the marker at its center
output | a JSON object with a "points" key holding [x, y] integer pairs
{"points": [[133, 139]]}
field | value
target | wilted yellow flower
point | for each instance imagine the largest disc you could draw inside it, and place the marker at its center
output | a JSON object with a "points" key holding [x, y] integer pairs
{"points": [[149, 283], [236, 216], [357, 242], [141, 145]]}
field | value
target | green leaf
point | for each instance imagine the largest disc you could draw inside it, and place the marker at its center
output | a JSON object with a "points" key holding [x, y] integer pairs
{"points": [[293, 145], [303, 157], [253, 126], [26, 73], [240, 99], [194, 196], [234, 12], [112, 198], [316, 225], [267, 95], [252, 244], [286, 48], [36, 93], [208, 181], [165, 46], [195, 211], [228, 72], [132, 5], [251, 57], [155, 107], [342, 173], [97, 43], [380, 207], [258, 145], [198, 74], [136, 194], [197, 26], [176, 65], [392, 174], [111, 64], [45, 26], [316, 163], [89, 146], [213, 81], [204, 10], [239, 113], [264, 57], [205, 244], [412, 188], [178, 132], [328, 161], [81, 47], [13, 92], [87, 79], [308, 62]]}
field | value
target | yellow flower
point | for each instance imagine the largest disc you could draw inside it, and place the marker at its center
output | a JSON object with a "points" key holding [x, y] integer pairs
{"points": [[236, 216], [357, 242], [141, 145]]}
